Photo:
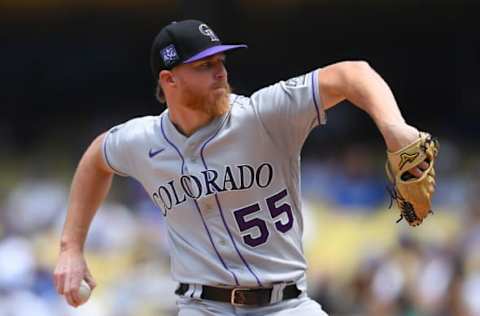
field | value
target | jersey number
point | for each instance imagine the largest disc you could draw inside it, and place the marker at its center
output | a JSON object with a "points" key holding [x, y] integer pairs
{"points": [[275, 210]]}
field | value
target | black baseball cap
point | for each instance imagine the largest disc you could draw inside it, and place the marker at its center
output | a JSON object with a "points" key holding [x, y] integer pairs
{"points": [[184, 42]]}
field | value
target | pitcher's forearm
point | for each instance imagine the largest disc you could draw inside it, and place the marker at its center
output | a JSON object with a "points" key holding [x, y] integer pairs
{"points": [[90, 186], [383, 109], [364, 87], [370, 92]]}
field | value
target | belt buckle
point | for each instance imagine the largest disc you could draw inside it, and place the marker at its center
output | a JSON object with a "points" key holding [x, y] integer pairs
{"points": [[237, 297]]}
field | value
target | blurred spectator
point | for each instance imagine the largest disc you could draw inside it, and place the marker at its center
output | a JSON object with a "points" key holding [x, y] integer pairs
{"points": [[356, 184], [33, 205]]}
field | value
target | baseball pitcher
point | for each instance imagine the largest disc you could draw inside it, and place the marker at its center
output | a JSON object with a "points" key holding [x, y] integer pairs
{"points": [[224, 170]]}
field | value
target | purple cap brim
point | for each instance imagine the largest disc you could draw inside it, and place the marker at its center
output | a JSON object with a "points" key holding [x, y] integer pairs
{"points": [[212, 51]]}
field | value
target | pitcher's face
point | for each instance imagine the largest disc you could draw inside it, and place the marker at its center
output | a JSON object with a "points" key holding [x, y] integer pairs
{"points": [[203, 85]]}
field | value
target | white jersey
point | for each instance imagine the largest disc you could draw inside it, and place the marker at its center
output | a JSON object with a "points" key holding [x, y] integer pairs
{"points": [[230, 192]]}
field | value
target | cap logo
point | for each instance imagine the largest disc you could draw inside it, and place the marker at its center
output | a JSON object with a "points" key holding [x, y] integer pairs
{"points": [[205, 30], [169, 55]]}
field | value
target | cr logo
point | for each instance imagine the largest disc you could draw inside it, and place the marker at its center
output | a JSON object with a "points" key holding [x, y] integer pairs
{"points": [[205, 30]]}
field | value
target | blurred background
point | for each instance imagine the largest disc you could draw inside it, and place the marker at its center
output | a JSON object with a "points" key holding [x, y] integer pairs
{"points": [[72, 69]]}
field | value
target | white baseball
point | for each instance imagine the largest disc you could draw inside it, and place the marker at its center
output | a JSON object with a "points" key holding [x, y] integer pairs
{"points": [[84, 292]]}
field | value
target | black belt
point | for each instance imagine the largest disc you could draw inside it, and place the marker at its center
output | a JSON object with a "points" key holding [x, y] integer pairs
{"points": [[241, 296]]}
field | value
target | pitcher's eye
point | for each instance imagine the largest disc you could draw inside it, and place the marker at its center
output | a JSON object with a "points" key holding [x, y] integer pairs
{"points": [[205, 65]]}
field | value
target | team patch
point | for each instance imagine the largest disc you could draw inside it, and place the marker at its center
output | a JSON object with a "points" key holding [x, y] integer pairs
{"points": [[296, 81], [116, 128], [169, 55]]}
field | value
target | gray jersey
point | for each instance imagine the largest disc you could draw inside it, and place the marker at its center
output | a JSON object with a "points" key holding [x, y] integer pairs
{"points": [[231, 191]]}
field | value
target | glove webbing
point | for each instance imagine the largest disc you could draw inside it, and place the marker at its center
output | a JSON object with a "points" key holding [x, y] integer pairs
{"points": [[406, 207]]}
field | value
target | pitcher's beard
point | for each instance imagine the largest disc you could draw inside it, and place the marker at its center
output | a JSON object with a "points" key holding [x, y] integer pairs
{"points": [[213, 106]]}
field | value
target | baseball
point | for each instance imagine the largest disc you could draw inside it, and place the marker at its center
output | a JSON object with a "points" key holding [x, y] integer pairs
{"points": [[84, 292]]}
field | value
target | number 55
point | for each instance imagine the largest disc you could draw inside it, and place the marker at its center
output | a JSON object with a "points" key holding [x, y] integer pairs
{"points": [[245, 224]]}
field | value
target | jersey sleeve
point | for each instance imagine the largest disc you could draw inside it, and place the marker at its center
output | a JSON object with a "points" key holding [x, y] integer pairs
{"points": [[290, 109], [116, 149]]}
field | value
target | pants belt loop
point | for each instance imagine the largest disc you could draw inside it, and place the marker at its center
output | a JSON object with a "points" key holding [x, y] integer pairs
{"points": [[277, 292], [197, 291], [190, 290], [194, 291]]}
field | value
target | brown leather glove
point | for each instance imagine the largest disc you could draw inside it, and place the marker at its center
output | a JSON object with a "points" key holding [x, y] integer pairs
{"points": [[413, 195]]}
